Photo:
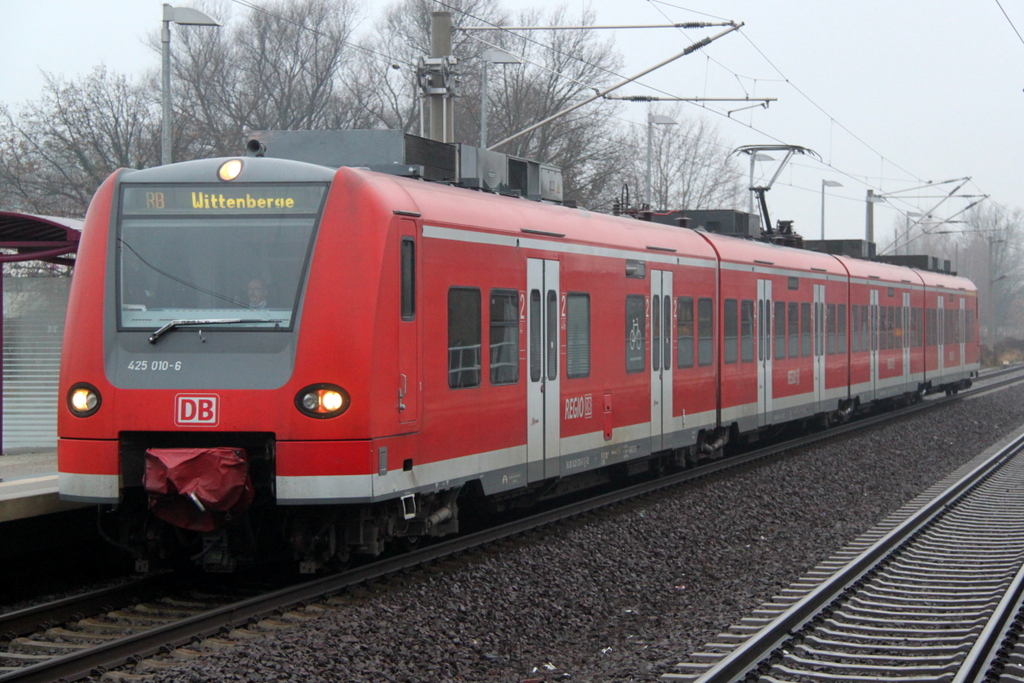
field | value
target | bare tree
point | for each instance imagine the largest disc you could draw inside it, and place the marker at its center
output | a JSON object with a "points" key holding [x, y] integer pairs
{"points": [[385, 82], [56, 151], [282, 66], [691, 166], [994, 243], [560, 69]]}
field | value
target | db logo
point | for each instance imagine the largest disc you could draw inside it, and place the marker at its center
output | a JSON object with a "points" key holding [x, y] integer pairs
{"points": [[197, 409]]}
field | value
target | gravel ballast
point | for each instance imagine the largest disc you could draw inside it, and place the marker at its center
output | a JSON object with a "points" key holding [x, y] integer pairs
{"points": [[626, 594]]}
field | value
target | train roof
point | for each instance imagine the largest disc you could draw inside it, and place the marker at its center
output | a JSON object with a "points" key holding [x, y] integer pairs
{"points": [[446, 206], [739, 250]]}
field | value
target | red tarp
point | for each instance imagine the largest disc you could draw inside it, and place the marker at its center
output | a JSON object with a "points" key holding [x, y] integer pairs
{"points": [[197, 488]]}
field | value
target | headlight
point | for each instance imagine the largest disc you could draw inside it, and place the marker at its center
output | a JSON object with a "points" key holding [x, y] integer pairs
{"points": [[83, 400], [322, 401]]}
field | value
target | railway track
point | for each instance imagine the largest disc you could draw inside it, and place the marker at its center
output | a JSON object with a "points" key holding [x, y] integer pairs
{"points": [[78, 640], [932, 594]]}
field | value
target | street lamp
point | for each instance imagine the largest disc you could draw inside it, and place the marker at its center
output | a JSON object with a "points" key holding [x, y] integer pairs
{"points": [[183, 16], [492, 56], [824, 184], [661, 121]]}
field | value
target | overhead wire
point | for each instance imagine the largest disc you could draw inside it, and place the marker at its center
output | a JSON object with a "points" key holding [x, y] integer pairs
{"points": [[1009, 20], [739, 77]]}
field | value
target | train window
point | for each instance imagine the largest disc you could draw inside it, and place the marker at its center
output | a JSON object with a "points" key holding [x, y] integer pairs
{"points": [[891, 330], [855, 328], [898, 325], [666, 312], [780, 329], [705, 332], [408, 279], [930, 327], [794, 330], [463, 337], [865, 328], [747, 330], [635, 329], [830, 325], [655, 333], [552, 334], [504, 336], [841, 329], [577, 335], [684, 331], [636, 269], [760, 328], [794, 283], [767, 330], [970, 325], [890, 292], [805, 329], [883, 325], [536, 345], [731, 331], [181, 262]]}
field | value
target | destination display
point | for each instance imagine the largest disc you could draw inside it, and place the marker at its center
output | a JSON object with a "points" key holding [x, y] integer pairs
{"points": [[216, 200]]}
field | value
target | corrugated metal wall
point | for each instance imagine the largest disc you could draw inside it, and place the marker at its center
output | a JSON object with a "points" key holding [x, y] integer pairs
{"points": [[34, 309]]}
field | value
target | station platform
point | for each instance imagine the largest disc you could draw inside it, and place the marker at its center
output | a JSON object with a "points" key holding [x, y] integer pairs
{"points": [[28, 486]]}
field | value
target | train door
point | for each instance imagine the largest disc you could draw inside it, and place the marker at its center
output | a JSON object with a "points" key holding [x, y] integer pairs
{"points": [[661, 357], [819, 346], [408, 332], [906, 341], [874, 343], [543, 391], [764, 352]]}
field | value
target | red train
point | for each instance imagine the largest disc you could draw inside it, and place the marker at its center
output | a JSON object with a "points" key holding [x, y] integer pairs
{"points": [[263, 353]]}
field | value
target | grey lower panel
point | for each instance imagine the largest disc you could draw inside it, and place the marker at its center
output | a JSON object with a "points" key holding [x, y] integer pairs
{"points": [[790, 414], [88, 499], [747, 424]]}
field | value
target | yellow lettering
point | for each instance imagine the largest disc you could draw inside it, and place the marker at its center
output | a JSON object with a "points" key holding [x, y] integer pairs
{"points": [[202, 200]]}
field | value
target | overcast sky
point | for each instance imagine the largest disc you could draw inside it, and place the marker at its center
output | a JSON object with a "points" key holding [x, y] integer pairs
{"points": [[890, 94]]}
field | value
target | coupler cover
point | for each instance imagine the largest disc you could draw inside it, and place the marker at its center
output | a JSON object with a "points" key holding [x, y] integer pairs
{"points": [[199, 489]]}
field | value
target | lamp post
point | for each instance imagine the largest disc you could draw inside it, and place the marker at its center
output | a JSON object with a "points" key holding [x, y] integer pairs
{"points": [[661, 121], [183, 16], [824, 184], [492, 56], [992, 280]]}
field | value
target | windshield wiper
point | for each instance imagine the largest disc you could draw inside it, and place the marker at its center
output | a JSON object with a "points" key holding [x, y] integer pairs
{"points": [[213, 321]]}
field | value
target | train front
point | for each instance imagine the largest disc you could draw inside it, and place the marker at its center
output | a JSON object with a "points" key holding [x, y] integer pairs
{"points": [[179, 355]]}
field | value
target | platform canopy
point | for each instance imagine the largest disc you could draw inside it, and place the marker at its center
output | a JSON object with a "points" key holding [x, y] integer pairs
{"points": [[38, 238]]}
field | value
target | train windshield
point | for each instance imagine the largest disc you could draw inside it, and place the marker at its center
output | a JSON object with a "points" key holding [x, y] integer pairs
{"points": [[215, 252]]}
